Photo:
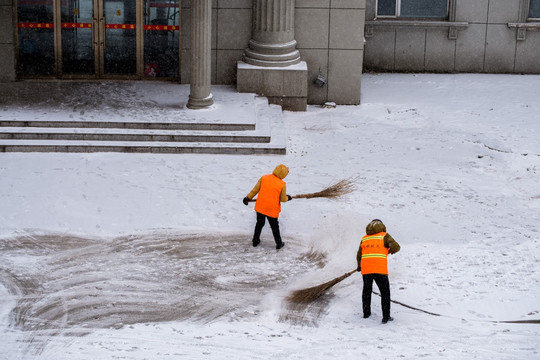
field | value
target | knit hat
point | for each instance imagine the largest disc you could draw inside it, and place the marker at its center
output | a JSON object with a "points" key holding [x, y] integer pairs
{"points": [[375, 226]]}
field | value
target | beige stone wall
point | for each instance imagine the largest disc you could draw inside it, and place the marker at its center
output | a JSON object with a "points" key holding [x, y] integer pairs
{"points": [[329, 35], [231, 32], [486, 40]]}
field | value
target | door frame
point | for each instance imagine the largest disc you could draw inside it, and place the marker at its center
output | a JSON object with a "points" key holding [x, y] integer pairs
{"points": [[98, 43], [99, 50]]}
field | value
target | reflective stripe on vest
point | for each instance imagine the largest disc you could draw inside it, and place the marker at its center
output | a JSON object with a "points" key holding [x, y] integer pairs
{"points": [[268, 200], [374, 254]]}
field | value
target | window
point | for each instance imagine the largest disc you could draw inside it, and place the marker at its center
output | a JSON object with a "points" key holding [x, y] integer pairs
{"points": [[436, 9], [534, 9]]}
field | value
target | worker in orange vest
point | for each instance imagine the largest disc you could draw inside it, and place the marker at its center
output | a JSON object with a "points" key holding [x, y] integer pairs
{"points": [[272, 192], [372, 262]]}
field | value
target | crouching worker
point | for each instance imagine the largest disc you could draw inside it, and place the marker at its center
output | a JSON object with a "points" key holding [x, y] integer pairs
{"points": [[372, 262], [272, 192]]}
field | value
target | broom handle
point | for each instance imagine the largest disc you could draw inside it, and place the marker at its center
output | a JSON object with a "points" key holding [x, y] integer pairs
{"points": [[351, 272], [301, 196], [346, 275]]}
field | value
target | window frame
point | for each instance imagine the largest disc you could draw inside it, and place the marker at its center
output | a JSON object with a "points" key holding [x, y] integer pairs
{"points": [[397, 13], [529, 18], [387, 23]]}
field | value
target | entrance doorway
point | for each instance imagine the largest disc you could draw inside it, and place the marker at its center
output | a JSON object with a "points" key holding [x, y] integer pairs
{"points": [[99, 38]]}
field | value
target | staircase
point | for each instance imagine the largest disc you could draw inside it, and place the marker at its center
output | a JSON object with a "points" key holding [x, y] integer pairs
{"points": [[239, 124]]}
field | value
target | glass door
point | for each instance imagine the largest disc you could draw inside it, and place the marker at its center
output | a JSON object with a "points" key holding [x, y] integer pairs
{"points": [[161, 38], [99, 38], [78, 37], [118, 37], [35, 38]]}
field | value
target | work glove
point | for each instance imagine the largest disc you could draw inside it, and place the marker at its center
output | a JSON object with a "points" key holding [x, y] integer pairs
{"points": [[358, 269], [289, 197], [246, 201]]}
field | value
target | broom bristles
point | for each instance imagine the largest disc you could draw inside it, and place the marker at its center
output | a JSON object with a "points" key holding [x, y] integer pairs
{"points": [[337, 190], [310, 294], [342, 187]]}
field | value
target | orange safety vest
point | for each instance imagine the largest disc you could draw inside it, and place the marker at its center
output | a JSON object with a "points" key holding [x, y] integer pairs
{"points": [[374, 254], [268, 202]]}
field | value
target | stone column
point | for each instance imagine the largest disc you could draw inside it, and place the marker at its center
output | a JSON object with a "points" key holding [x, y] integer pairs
{"points": [[200, 96], [272, 42], [272, 65]]}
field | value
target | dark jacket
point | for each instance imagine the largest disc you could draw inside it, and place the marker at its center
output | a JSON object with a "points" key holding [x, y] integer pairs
{"points": [[389, 242]]}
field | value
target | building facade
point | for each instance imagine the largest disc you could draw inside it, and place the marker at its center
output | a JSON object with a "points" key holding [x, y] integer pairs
{"points": [[294, 52], [153, 39]]}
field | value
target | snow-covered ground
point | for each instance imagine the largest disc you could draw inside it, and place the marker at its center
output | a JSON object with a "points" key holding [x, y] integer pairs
{"points": [[124, 256]]}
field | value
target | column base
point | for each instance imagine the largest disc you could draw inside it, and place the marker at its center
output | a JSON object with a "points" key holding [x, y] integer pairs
{"points": [[195, 103], [272, 55], [285, 86]]}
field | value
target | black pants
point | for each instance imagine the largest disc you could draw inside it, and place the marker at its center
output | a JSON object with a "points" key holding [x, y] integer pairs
{"points": [[384, 287], [274, 224]]}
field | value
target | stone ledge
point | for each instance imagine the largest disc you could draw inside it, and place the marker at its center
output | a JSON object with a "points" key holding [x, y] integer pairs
{"points": [[522, 29], [528, 26], [452, 26], [285, 86], [417, 23]]}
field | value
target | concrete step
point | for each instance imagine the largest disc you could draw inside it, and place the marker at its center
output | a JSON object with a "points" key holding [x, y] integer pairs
{"points": [[140, 147], [128, 125], [135, 117], [96, 134]]}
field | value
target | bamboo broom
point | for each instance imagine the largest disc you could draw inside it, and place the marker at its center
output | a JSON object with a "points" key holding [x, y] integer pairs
{"points": [[342, 187], [310, 294]]}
